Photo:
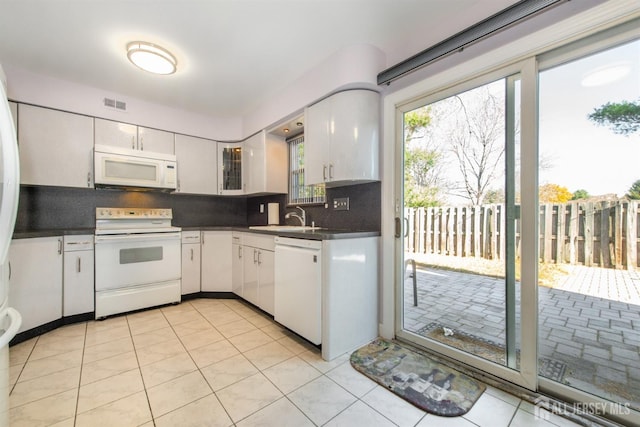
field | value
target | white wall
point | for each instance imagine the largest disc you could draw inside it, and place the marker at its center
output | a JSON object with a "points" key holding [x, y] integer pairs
{"points": [[352, 66], [29, 87]]}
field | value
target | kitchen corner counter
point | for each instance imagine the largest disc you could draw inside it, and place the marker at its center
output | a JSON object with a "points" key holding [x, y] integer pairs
{"points": [[311, 234], [317, 234], [52, 233]]}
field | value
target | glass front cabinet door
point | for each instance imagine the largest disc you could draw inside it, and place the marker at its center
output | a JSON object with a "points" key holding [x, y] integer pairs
{"points": [[230, 169]]}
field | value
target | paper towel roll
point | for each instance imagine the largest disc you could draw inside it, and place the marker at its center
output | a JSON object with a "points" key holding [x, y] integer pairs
{"points": [[273, 213]]}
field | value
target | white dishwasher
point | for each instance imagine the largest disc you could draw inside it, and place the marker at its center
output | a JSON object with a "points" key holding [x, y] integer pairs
{"points": [[298, 286]]}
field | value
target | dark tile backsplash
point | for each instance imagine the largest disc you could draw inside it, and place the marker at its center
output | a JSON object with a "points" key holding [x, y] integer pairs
{"points": [[53, 208], [363, 214]]}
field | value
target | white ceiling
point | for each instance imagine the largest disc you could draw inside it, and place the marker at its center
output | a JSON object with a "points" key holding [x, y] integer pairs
{"points": [[233, 55]]}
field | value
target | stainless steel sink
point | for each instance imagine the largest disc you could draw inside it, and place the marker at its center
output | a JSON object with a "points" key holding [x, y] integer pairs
{"points": [[284, 228]]}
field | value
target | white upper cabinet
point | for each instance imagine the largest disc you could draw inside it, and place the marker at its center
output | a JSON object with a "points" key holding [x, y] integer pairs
{"points": [[13, 107], [157, 141], [265, 168], [197, 172], [56, 148], [230, 165], [116, 134], [342, 139], [132, 137]]}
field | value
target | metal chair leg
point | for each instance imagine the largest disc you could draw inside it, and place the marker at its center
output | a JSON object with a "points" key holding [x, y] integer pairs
{"points": [[413, 275]]}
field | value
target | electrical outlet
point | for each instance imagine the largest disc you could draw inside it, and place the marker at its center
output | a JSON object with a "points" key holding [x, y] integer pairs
{"points": [[341, 204]]}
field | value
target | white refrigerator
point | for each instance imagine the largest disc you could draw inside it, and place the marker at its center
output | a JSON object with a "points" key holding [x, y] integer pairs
{"points": [[10, 319]]}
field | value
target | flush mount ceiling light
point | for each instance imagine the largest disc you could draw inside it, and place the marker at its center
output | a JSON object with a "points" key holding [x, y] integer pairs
{"points": [[151, 58]]}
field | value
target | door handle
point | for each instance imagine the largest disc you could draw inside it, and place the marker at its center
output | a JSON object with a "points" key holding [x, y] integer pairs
{"points": [[398, 228], [79, 265], [9, 270], [191, 254]]}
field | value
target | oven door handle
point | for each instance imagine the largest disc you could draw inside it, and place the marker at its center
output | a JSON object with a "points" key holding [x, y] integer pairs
{"points": [[149, 237]]}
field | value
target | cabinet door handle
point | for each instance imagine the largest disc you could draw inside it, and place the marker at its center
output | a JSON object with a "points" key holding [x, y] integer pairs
{"points": [[59, 246], [133, 142], [142, 144], [79, 265], [259, 259], [9, 270], [191, 254], [324, 172], [88, 179], [331, 171], [255, 260], [239, 252], [178, 187]]}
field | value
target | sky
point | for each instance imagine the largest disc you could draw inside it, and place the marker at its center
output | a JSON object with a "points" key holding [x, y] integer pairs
{"points": [[583, 155]]}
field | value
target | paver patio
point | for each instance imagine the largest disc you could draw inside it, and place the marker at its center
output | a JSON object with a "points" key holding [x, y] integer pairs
{"points": [[589, 324]]}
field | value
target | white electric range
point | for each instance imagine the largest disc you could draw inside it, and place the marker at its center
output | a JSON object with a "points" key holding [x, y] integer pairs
{"points": [[138, 260]]}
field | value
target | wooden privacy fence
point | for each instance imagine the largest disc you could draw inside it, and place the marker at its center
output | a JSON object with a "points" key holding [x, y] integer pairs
{"points": [[602, 233]]}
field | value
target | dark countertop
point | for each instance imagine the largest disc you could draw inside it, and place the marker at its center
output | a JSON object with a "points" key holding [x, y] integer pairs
{"points": [[317, 234], [53, 233]]}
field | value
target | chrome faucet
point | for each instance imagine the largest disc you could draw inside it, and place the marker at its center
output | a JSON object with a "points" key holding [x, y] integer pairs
{"points": [[302, 218]]}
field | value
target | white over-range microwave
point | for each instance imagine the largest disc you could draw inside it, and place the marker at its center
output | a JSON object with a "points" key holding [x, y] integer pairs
{"points": [[120, 167]]}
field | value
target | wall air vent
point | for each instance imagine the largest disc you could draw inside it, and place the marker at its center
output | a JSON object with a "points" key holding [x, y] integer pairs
{"points": [[115, 104]]}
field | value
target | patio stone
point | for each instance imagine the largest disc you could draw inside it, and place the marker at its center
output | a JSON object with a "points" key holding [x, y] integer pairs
{"points": [[568, 350], [592, 336]]}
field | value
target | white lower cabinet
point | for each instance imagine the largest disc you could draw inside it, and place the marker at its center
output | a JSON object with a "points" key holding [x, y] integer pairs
{"points": [[35, 280], [191, 252], [237, 276], [258, 270], [78, 275], [216, 261]]}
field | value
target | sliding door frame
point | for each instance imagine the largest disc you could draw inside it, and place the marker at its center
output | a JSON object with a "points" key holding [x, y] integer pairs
{"points": [[527, 375]]}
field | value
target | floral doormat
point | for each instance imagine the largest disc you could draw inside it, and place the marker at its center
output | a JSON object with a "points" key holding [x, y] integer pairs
{"points": [[427, 384]]}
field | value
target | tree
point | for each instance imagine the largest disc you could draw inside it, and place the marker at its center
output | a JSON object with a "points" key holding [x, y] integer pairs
{"points": [[422, 165], [554, 193], [634, 191], [415, 123], [623, 118], [478, 140], [580, 194], [494, 196]]}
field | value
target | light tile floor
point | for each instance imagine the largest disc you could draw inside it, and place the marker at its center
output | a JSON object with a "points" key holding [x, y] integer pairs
{"points": [[213, 363]]}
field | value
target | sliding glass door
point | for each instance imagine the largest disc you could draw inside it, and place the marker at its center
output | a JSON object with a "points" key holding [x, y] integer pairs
{"points": [[461, 292], [518, 222], [589, 295]]}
